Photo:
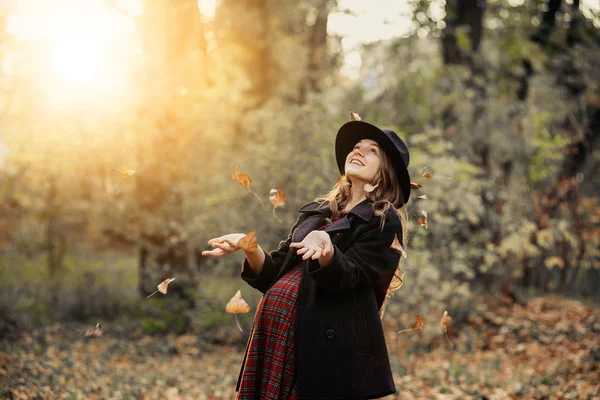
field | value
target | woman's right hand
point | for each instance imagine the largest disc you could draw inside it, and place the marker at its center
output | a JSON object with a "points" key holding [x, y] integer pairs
{"points": [[225, 244]]}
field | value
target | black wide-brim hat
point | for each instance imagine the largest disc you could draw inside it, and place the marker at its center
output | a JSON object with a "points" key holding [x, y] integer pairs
{"points": [[354, 131]]}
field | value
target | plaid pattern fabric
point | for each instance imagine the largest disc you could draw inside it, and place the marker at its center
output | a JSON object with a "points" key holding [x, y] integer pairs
{"points": [[269, 369]]}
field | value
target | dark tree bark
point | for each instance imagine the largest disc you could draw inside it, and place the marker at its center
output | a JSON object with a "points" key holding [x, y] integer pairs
{"points": [[467, 14], [317, 46], [548, 22]]}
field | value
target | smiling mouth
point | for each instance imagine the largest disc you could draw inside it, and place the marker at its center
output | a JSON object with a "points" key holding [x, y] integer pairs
{"points": [[354, 161]]}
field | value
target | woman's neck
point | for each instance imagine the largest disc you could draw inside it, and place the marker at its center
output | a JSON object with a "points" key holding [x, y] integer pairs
{"points": [[357, 195]]}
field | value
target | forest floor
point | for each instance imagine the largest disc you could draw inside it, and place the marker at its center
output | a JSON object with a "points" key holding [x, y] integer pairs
{"points": [[549, 349]]}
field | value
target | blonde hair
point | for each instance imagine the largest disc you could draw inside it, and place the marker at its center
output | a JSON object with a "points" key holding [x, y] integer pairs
{"points": [[387, 194]]}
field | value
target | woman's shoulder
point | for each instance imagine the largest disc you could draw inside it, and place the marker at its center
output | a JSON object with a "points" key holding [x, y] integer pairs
{"points": [[314, 206]]}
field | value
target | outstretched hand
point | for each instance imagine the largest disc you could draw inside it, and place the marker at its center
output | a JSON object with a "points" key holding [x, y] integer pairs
{"points": [[316, 245], [225, 244]]}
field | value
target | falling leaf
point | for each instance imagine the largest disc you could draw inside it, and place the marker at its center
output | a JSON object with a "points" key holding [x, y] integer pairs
{"points": [[162, 287], [340, 180], [398, 247], [369, 188], [417, 327], [354, 116], [125, 172], [248, 242], [245, 180], [425, 174], [94, 333], [277, 198], [237, 305], [446, 319], [414, 185], [422, 197], [422, 221]]}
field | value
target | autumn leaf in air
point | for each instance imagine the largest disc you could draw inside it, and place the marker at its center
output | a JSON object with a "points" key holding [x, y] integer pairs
{"points": [[94, 333], [426, 174], [417, 327], [369, 188], [237, 305], [248, 242], [414, 185], [162, 287], [422, 197], [126, 172], [354, 116], [422, 221], [244, 180], [446, 319], [277, 198], [398, 247]]}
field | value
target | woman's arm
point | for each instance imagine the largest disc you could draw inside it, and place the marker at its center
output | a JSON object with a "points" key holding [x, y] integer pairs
{"points": [[369, 261]]}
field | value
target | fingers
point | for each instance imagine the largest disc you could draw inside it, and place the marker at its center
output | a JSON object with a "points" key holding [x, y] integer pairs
{"points": [[213, 253], [317, 255], [308, 254]]}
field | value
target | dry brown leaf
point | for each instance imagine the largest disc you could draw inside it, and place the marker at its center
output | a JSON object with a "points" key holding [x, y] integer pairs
{"points": [[125, 172], [425, 174], [398, 247], [422, 197], [237, 305], [369, 188], [414, 185], [243, 179], [446, 319], [417, 327], [422, 221], [248, 242], [162, 287], [277, 198], [94, 333], [354, 116]]}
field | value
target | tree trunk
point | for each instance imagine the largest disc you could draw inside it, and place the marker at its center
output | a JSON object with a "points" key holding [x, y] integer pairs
{"points": [[467, 14]]}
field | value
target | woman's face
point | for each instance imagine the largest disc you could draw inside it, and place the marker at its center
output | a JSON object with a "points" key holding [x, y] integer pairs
{"points": [[363, 162]]}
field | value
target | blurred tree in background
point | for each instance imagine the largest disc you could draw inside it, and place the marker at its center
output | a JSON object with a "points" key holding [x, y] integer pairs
{"points": [[110, 185]]}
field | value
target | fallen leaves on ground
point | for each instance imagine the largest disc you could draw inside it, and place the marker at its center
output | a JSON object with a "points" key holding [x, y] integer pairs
{"points": [[547, 349]]}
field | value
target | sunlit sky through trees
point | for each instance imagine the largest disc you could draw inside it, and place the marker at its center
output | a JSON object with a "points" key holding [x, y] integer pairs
{"points": [[77, 31]]}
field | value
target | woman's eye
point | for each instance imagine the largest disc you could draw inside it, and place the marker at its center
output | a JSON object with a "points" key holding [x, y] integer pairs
{"points": [[373, 150]]}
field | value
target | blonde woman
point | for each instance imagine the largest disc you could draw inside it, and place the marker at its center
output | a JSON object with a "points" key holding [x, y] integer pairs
{"points": [[317, 332]]}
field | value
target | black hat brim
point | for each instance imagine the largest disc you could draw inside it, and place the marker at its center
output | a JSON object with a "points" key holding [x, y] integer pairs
{"points": [[354, 131]]}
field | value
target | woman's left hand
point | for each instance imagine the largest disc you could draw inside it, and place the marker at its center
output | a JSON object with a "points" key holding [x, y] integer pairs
{"points": [[316, 245]]}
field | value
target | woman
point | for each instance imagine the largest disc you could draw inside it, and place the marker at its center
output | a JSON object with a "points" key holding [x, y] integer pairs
{"points": [[317, 332]]}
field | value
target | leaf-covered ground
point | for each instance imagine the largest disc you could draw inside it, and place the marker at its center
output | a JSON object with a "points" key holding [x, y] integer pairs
{"points": [[549, 349]]}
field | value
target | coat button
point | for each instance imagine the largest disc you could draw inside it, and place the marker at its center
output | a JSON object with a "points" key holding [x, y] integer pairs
{"points": [[330, 333]]}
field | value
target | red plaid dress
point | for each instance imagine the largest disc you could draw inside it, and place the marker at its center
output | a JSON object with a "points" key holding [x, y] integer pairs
{"points": [[269, 369]]}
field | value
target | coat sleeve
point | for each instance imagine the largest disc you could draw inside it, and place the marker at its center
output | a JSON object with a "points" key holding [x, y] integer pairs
{"points": [[272, 265], [370, 261]]}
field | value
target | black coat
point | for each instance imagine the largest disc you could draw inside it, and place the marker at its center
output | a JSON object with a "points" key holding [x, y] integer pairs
{"points": [[340, 346]]}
